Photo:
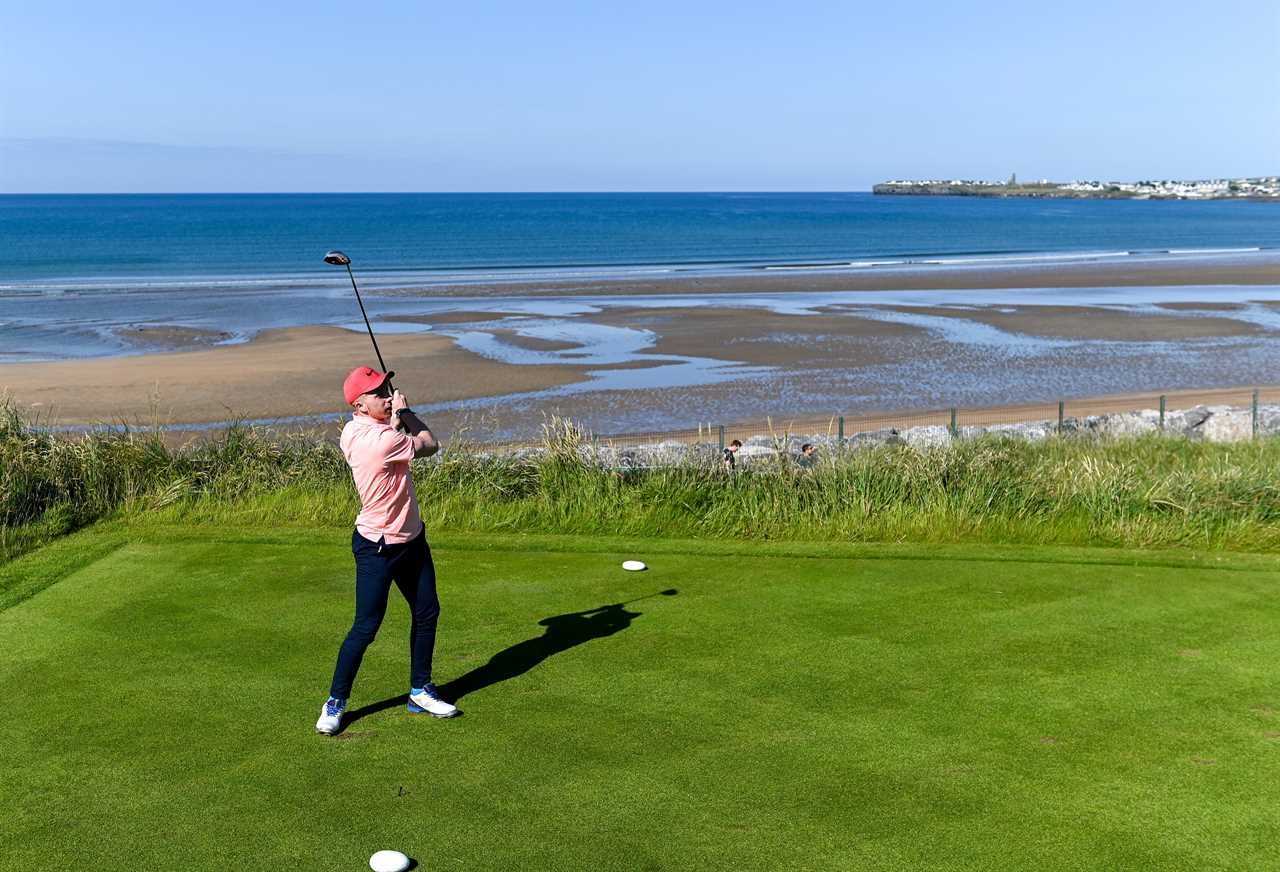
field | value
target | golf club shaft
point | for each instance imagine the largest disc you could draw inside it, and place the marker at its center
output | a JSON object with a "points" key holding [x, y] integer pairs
{"points": [[368, 327], [400, 425]]}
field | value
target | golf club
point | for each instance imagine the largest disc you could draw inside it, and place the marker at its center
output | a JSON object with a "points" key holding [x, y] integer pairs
{"points": [[337, 258]]}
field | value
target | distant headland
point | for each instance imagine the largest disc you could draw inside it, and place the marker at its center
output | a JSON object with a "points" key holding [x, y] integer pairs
{"points": [[1257, 188]]}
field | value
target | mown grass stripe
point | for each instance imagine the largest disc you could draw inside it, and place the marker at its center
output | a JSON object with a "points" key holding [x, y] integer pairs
{"points": [[554, 543], [28, 575], [24, 578]]}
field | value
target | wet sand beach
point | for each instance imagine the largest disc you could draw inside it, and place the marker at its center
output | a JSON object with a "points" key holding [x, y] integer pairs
{"points": [[1095, 322], [761, 337], [667, 362], [1260, 268], [172, 338]]}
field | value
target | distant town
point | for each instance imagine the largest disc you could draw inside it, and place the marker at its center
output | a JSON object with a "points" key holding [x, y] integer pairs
{"points": [[1258, 188]]}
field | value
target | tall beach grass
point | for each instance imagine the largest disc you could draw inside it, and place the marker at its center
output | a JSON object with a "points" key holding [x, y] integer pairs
{"points": [[1143, 492]]}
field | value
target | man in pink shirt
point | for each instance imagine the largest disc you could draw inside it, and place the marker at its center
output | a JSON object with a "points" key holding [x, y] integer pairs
{"points": [[389, 541]]}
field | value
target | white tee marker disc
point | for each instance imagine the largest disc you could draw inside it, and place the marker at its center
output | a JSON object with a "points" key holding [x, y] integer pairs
{"points": [[633, 565], [388, 861]]}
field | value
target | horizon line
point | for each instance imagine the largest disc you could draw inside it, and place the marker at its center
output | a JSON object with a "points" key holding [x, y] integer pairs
{"points": [[364, 193]]}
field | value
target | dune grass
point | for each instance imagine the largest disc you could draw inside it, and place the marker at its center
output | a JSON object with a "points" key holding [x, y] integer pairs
{"points": [[792, 706], [1145, 493]]}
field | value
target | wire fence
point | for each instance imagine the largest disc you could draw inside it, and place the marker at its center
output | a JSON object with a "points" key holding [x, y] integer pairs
{"points": [[957, 421]]}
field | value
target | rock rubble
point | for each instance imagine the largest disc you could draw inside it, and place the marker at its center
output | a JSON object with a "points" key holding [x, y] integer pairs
{"points": [[1209, 423]]}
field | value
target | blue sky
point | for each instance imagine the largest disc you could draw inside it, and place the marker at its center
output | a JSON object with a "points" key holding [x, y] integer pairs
{"points": [[279, 96]]}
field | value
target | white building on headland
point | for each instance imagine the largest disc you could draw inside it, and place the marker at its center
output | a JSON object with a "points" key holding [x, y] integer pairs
{"points": [[1205, 189]]}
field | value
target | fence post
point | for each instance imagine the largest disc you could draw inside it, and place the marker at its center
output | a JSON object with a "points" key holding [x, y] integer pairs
{"points": [[840, 429], [1255, 414], [721, 429], [1162, 399], [952, 429], [1061, 405]]}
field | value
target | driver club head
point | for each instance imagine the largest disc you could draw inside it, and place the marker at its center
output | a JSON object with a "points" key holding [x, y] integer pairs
{"points": [[337, 258]]}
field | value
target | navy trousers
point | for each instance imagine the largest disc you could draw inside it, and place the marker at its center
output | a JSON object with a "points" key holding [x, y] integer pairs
{"points": [[378, 564]]}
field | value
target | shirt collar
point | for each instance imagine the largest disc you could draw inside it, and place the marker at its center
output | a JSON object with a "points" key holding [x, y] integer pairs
{"points": [[367, 421]]}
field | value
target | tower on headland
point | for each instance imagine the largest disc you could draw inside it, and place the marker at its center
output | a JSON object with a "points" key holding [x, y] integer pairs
{"points": [[1013, 179]]}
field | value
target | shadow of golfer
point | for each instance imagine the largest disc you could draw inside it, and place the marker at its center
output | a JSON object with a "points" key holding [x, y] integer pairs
{"points": [[561, 633]]}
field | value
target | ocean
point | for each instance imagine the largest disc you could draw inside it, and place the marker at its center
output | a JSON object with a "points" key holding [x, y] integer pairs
{"points": [[124, 242]]}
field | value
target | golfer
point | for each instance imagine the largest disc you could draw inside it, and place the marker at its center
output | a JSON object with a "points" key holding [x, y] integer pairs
{"points": [[389, 541]]}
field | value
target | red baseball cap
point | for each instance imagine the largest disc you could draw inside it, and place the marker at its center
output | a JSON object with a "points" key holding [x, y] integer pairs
{"points": [[363, 380]]}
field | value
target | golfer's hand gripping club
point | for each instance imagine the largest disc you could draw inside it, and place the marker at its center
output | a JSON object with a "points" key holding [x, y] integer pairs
{"points": [[424, 441], [398, 405]]}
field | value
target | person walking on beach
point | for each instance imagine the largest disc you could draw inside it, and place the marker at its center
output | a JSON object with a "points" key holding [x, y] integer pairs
{"points": [[389, 541]]}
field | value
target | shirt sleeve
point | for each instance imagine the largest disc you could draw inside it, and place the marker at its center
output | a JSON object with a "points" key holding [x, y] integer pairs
{"points": [[395, 447]]}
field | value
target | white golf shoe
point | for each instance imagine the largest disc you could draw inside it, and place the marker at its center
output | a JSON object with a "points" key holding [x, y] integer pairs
{"points": [[331, 716], [427, 700]]}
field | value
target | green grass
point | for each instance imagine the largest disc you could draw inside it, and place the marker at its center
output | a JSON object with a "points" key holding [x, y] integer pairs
{"points": [[794, 706]]}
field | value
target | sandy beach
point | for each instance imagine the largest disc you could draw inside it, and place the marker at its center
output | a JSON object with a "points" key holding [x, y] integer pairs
{"points": [[280, 374], [498, 369]]}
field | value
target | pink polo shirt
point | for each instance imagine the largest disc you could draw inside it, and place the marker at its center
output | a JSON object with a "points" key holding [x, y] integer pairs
{"points": [[379, 455]]}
